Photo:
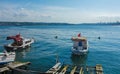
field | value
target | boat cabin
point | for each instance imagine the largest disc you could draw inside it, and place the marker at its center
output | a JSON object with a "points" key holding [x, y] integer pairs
{"points": [[18, 40], [79, 42]]}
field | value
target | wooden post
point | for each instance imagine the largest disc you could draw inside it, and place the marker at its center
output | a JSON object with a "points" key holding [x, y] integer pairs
{"points": [[99, 69]]}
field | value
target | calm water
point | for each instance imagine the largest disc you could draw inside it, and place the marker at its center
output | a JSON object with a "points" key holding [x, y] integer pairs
{"points": [[42, 54]]}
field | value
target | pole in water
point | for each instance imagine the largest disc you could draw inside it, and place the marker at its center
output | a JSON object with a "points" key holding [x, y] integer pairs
{"points": [[57, 58]]}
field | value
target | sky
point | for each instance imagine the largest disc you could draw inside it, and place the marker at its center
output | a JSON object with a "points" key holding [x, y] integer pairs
{"points": [[60, 11]]}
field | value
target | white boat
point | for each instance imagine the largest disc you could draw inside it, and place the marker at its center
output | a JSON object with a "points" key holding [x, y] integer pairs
{"points": [[54, 69], [6, 57], [80, 45], [19, 43]]}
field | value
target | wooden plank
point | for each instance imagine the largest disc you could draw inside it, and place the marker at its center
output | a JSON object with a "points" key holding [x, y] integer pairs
{"points": [[55, 68], [81, 70], [17, 64], [73, 70], [4, 69], [13, 65], [64, 70], [99, 69]]}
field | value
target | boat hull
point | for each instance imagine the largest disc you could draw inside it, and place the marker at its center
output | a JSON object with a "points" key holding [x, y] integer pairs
{"points": [[79, 52], [54, 69], [9, 47], [7, 57]]}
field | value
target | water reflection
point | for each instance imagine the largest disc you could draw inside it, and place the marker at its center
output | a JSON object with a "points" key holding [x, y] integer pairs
{"points": [[21, 54], [78, 60]]}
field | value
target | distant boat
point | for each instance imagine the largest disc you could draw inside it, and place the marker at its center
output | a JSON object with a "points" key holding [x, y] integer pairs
{"points": [[19, 43], [80, 45], [54, 69], [6, 57]]}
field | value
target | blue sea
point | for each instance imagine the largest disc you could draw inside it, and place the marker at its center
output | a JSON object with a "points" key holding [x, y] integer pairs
{"points": [[42, 54]]}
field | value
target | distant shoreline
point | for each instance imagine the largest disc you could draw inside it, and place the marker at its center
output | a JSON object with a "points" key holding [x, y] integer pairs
{"points": [[43, 23]]}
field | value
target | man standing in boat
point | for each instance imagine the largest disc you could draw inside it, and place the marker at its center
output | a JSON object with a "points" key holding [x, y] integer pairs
{"points": [[18, 40]]}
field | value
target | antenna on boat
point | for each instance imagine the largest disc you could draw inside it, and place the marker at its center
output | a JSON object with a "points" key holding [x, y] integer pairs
{"points": [[57, 58]]}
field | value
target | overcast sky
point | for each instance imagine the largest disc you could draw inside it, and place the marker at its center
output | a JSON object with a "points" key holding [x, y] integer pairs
{"points": [[65, 11]]}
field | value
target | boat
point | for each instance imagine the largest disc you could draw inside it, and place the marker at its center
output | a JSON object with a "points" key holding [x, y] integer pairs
{"points": [[54, 69], [6, 57], [80, 45], [19, 43]]}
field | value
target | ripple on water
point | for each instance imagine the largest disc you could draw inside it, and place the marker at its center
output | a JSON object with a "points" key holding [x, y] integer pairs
{"points": [[43, 52]]}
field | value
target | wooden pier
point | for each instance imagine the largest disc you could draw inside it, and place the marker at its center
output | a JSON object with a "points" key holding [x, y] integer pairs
{"points": [[69, 69], [13, 65], [57, 69]]}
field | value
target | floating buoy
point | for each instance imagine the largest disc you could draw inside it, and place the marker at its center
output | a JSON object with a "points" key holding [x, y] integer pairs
{"points": [[99, 37], [56, 37]]}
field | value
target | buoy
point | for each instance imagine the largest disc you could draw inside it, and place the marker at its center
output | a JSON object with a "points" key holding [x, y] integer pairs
{"points": [[56, 37], [99, 37]]}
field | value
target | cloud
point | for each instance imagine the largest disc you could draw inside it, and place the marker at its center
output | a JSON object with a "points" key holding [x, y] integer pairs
{"points": [[21, 14], [38, 13], [58, 8]]}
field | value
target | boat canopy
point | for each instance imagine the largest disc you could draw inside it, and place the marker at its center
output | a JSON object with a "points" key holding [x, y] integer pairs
{"points": [[78, 39], [16, 38]]}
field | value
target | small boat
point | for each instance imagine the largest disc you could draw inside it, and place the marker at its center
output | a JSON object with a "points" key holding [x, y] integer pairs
{"points": [[55, 68], [80, 45], [6, 57], [19, 43]]}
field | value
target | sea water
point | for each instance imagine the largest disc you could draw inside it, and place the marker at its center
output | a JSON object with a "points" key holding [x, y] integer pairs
{"points": [[42, 54]]}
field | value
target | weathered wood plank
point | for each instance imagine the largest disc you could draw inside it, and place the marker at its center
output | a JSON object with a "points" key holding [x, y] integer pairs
{"points": [[64, 70], [13, 65], [81, 70], [73, 70], [17, 64], [99, 69], [4, 69]]}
